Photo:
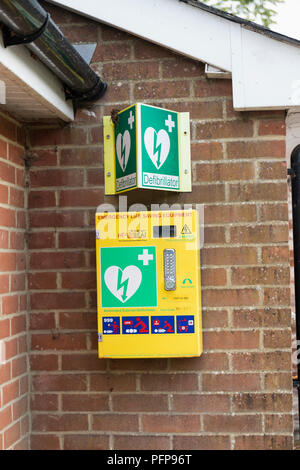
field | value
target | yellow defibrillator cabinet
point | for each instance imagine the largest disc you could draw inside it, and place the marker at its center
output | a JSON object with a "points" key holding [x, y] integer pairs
{"points": [[148, 284]]}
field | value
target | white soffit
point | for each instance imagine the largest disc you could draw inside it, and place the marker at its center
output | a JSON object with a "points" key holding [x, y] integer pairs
{"points": [[265, 71], [29, 91]]}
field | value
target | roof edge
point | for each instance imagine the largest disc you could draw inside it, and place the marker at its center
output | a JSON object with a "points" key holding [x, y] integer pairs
{"points": [[257, 28]]}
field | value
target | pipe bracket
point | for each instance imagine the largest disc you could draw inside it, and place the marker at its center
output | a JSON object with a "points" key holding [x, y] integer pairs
{"points": [[13, 39]]}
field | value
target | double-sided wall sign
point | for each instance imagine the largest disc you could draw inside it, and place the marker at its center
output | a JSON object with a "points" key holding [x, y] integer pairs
{"points": [[147, 147]]}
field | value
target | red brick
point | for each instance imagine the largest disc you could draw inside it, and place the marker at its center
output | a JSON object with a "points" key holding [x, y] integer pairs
{"points": [[17, 240], [240, 192], [271, 127], [224, 171], [56, 177], [111, 52], [214, 319], [130, 70], [5, 417], [279, 423], [265, 361], [8, 128], [59, 382], [40, 219], [224, 130], [259, 234], [277, 339], [206, 151], [197, 109], [164, 423], [79, 280], [10, 392], [213, 277], [204, 403], [261, 317], [42, 280], [57, 260], [81, 197], [262, 402], [10, 304], [169, 382], [231, 340], [76, 239], [19, 366], [88, 402], [108, 382], [212, 87], [259, 149], [233, 423], [229, 256], [230, 382], [161, 89], [139, 442], [272, 170], [78, 320], [59, 341], [182, 67], [4, 283], [3, 149], [45, 442], [38, 240], [275, 254], [87, 31], [86, 442], [275, 211], [95, 177], [260, 275], [265, 442], [3, 194], [7, 172], [277, 296], [42, 321], [115, 422], [40, 199], [18, 324], [55, 136], [60, 422], [230, 297], [43, 362], [146, 50], [203, 442], [139, 402], [81, 156], [44, 157], [218, 214], [12, 434], [117, 92]]}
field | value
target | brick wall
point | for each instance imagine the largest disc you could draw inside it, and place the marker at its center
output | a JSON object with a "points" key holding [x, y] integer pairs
{"points": [[14, 380], [238, 394]]}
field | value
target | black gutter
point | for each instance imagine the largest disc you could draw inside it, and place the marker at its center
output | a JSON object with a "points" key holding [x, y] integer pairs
{"points": [[26, 22], [295, 180], [245, 23]]}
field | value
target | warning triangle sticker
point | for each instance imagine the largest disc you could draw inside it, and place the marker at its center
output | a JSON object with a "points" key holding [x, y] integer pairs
{"points": [[185, 230]]}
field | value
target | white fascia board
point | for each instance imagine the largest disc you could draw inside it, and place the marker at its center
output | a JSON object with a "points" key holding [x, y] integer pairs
{"points": [[37, 79], [265, 72], [175, 25]]}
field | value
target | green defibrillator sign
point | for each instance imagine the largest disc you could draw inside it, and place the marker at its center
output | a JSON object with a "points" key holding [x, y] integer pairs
{"points": [[147, 147], [128, 276]]}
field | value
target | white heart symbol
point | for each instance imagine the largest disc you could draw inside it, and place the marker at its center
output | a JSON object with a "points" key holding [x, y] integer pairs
{"points": [[123, 283], [123, 149], [157, 145]]}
